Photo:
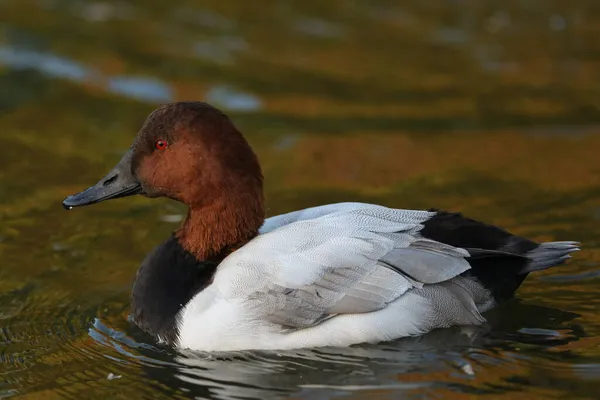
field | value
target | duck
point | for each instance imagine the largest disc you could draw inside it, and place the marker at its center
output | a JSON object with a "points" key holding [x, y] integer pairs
{"points": [[336, 275]]}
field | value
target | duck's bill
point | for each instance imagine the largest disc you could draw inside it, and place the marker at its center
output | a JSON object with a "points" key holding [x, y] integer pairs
{"points": [[119, 182]]}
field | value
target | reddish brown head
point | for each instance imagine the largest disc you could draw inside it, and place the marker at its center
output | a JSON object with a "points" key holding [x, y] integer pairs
{"points": [[191, 152]]}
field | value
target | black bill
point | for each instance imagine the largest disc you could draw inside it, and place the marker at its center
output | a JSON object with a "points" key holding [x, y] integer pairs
{"points": [[119, 182]]}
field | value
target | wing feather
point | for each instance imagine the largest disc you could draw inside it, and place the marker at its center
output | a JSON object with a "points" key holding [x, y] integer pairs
{"points": [[337, 259]]}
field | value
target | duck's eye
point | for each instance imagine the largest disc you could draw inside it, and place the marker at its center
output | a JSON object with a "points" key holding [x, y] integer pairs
{"points": [[161, 144]]}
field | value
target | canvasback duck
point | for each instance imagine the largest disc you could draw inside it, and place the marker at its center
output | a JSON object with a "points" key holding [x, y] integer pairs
{"points": [[334, 275]]}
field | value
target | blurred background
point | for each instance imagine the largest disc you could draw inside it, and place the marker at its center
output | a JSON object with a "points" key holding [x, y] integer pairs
{"points": [[482, 106]]}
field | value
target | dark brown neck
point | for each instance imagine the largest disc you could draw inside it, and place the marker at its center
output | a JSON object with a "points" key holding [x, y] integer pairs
{"points": [[212, 231]]}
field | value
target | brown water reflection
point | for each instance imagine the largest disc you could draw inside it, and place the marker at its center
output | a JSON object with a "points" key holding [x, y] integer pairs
{"points": [[485, 107]]}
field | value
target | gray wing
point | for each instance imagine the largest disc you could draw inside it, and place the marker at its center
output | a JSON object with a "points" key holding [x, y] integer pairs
{"points": [[351, 261]]}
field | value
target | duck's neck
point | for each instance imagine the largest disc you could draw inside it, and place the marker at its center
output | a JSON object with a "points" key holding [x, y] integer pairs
{"points": [[211, 232], [185, 264]]}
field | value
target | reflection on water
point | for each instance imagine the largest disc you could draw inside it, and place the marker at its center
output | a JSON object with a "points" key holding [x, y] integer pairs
{"points": [[442, 361], [477, 106]]}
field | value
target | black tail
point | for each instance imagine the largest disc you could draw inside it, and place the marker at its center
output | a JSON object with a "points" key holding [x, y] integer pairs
{"points": [[499, 259]]}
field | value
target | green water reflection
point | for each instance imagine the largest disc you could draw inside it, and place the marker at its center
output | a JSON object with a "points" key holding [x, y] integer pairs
{"points": [[485, 107]]}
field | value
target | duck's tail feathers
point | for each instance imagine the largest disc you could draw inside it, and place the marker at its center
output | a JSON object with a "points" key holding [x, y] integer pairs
{"points": [[548, 255]]}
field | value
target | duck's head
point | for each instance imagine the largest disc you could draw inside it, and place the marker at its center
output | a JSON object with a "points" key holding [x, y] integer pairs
{"points": [[191, 152]]}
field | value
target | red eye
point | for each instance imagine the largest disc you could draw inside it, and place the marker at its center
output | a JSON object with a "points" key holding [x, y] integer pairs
{"points": [[161, 144]]}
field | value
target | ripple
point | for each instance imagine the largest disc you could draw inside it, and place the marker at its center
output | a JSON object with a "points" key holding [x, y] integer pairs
{"points": [[592, 274]]}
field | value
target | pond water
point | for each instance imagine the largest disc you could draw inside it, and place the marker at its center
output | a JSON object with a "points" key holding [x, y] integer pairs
{"points": [[485, 107]]}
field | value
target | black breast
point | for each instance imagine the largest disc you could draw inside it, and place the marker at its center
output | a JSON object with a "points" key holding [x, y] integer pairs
{"points": [[501, 274], [167, 279]]}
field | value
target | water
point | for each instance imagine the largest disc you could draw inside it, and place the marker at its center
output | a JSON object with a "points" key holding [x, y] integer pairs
{"points": [[479, 106]]}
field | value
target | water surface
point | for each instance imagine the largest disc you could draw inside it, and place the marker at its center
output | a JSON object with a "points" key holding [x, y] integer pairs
{"points": [[477, 106]]}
